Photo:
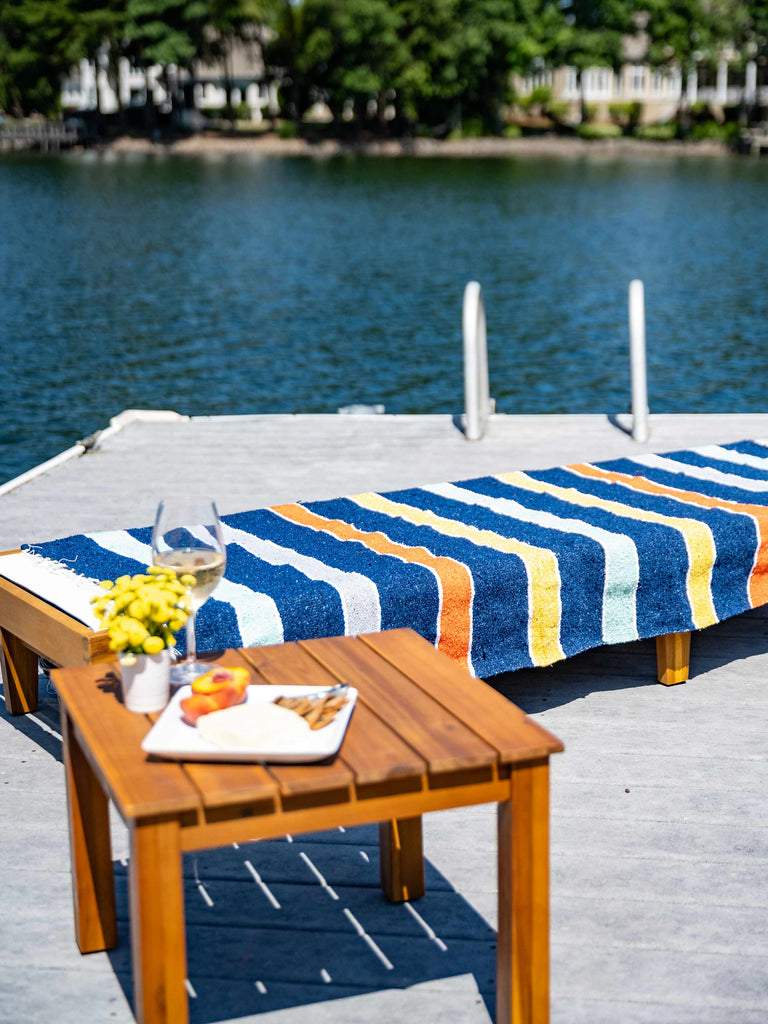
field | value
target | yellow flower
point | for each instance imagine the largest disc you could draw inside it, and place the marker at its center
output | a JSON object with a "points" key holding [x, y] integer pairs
{"points": [[142, 612]]}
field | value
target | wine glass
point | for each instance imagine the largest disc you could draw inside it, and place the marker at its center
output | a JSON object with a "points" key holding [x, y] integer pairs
{"points": [[188, 539]]}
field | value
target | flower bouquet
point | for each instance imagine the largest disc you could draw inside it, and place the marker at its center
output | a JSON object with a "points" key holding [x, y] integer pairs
{"points": [[141, 615]]}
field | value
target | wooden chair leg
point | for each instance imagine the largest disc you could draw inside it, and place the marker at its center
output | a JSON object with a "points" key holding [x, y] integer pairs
{"points": [[522, 958], [402, 859], [673, 656], [93, 884], [158, 943], [19, 670]]}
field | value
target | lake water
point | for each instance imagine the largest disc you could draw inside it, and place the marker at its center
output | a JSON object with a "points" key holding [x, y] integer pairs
{"points": [[245, 285]]}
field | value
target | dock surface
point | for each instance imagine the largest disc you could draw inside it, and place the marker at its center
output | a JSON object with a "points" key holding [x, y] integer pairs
{"points": [[247, 462], [659, 813], [659, 831]]}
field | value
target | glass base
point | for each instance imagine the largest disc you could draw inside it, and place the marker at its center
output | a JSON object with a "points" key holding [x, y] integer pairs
{"points": [[184, 672]]}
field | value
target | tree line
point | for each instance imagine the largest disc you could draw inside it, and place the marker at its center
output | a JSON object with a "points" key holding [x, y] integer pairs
{"points": [[433, 62]]}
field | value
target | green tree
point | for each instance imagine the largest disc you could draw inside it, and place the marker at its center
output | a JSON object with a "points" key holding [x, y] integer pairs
{"points": [[352, 51], [593, 35], [98, 31], [170, 33], [683, 33], [461, 54], [36, 50]]}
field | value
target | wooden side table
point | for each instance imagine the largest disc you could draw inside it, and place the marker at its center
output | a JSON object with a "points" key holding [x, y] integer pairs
{"points": [[424, 736]]}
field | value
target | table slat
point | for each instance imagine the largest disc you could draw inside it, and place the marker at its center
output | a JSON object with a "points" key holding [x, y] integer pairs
{"points": [[299, 779], [489, 714], [372, 750], [445, 743], [221, 785], [112, 736]]}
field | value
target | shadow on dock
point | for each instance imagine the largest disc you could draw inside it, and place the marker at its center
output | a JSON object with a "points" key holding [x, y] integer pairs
{"points": [[287, 941]]}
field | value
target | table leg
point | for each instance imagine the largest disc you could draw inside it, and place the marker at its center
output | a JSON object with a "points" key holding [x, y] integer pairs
{"points": [[673, 656], [522, 959], [402, 859], [157, 923], [93, 883], [19, 670]]}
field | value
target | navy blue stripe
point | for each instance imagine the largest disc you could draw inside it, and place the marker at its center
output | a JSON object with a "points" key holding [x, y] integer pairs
{"points": [[87, 558], [500, 609], [580, 559], [662, 594], [408, 593]]}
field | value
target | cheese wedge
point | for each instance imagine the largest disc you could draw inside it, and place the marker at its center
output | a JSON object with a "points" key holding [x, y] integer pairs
{"points": [[254, 725]]}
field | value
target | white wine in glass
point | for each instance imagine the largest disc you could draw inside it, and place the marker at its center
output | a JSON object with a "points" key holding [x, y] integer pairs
{"points": [[188, 539]]}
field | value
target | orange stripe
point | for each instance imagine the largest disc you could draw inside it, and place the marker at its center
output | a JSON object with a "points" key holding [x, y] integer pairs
{"points": [[758, 581], [455, 631]]}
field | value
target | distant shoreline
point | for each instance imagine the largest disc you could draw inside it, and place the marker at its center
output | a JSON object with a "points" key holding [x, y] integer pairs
{"points": [[544, 145]]}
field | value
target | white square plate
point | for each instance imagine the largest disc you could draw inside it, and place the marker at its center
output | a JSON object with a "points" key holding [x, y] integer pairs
{"points": [[171, 737]]}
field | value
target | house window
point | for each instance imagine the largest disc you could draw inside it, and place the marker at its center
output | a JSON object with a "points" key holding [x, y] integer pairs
{"points": [[638, 78], [571, 80]]}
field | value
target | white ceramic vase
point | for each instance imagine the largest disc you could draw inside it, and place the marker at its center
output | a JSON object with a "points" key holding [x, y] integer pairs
{"points": [[146, 681]]}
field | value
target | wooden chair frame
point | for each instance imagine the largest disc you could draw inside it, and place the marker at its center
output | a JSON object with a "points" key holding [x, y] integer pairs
{"points": [[31, 628]]}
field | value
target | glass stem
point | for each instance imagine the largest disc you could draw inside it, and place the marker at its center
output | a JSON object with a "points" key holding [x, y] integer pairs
{"points": [[191, 645]]}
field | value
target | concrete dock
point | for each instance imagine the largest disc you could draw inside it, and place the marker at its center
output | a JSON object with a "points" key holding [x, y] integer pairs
{"points": [[659, 807], [252, 461]]}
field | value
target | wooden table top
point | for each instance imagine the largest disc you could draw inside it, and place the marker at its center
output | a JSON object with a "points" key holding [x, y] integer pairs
{"points": [[419, 716]]}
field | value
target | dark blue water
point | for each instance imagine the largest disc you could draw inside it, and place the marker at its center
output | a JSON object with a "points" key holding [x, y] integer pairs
{"points": [[245, 285]]}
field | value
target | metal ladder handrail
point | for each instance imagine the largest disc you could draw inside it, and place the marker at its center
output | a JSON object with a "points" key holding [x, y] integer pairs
{"points": [[637, 360], [478, 404]]}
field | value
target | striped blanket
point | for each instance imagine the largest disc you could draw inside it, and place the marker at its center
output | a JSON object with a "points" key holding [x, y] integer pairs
{"points": [[500, 572]]}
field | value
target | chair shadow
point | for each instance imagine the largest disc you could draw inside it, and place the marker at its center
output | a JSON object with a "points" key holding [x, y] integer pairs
{"points": [[43, 726], [627, 666], [264, 934]]}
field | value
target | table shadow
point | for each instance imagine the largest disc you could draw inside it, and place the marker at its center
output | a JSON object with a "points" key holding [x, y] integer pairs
{"points": [[276, 925]]}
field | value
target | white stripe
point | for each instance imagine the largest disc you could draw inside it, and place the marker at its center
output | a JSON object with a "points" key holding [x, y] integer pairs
{"points": [[622, 567], [405, 561], [57, 582], [701, 473], [359, 595], [257, 616], [714, 451]]}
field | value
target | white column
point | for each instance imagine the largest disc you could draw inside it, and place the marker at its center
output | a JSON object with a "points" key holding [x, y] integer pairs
{"points": [[692, 86], [273, 104], [123, 80], [750, 82], [722, 82]]}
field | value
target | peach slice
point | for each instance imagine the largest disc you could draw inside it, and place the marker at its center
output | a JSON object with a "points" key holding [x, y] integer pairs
{"points": [[203, 703], [220, 678]]}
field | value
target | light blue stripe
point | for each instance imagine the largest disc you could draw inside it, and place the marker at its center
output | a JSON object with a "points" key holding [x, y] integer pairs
{"points": [[622, 568]]}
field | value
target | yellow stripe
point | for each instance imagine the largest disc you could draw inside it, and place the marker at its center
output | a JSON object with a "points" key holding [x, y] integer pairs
{"points": [[699, 542], [540, 565]]}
